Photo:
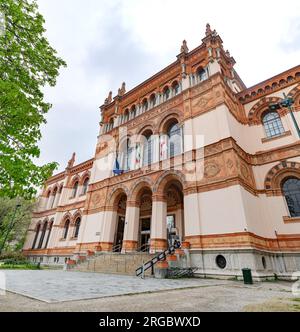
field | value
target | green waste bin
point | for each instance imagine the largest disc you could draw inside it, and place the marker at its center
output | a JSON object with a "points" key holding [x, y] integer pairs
{"points": [[247, 275]]}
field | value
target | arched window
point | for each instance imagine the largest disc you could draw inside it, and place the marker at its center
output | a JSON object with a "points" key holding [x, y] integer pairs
{"points": [[126, 116], [147, 149], [36, 235], [77, 227], [175, 140], [54, 197], [166, 93], [75, 189], [48, 196], [49, 233], [110, 124], [85, 186], [42, 235], [145, 105], [66, 229], [201, 74], [152, 100], [133, 112], [272, 123], [175, 88], [291, 190]]}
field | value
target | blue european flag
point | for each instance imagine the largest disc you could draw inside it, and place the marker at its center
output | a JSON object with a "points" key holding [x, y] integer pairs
{"points": [[117, 170]]}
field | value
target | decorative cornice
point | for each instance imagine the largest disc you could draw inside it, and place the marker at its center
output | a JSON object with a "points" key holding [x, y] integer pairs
{"points": [[69, 207], [56, 178], [156, 80], [84, 166], [271, 85], [43, 214]]}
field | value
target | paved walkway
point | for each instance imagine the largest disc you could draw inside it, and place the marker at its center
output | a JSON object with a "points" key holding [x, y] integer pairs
{"points": [[74, 291], [60, 286]]}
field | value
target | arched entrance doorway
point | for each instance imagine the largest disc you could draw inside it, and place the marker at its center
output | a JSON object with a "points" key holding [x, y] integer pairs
{"points": [[121, 203], [168, 212], [173, 194], [145, 204]]}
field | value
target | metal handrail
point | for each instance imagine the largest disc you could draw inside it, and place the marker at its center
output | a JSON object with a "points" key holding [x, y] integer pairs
{"points": [[144, 248], [116, 248], [158, 258]]}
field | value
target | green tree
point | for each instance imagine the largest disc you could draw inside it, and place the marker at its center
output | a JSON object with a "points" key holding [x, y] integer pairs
{"points": [[27, 64], [14, 222]]}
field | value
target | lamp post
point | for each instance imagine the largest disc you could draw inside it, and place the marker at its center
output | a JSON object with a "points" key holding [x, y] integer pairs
{"points": [[286, 103], [10, 227]]}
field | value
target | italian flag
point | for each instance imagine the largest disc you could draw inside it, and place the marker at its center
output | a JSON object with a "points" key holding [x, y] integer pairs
{"points": [[163, 147], [138, 156]]}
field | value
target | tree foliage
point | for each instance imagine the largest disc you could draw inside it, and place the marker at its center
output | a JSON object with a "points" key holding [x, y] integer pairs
{"points": [[27, 64], [14, 222]]}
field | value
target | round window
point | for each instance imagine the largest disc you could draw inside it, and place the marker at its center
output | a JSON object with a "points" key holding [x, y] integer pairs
{"points": [[221, 262]]}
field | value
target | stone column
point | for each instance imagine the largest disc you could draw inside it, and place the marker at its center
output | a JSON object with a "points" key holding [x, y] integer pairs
{"points": [[59, 195], [109, 230], [158, 225], [49, 202], [131, 231], [158, 99], [179, 219], [101, 131], [38, 239], [55, 200], [45, 238], [155, 148], [53, 236]]}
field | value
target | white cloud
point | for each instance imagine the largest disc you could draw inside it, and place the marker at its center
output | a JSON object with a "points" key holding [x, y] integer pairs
{"points": [[107, 42]]}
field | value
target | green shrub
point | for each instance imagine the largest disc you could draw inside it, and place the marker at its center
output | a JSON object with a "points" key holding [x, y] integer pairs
{"points": [[14, 256], [14, 262]]}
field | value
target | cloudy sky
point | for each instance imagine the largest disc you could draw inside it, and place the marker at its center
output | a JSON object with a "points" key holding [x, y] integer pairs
{"points": [[107, 42]]}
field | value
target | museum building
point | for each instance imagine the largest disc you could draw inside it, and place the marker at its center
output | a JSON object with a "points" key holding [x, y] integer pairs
{"points": [[193, 152]]}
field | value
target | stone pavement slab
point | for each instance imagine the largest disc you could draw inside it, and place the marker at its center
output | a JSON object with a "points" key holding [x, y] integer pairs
{"points": [[54, 286]]}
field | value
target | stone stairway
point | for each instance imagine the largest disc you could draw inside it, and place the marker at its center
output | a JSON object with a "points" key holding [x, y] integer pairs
{"points": [[113, 263]]}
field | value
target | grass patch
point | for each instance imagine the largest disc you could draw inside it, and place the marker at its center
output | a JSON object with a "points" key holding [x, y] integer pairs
{"points": [[14, 264], [19, 267], [296, 300]]}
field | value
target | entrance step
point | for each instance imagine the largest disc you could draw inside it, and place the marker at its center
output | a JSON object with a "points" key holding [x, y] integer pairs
{"points": [[113, 263]]}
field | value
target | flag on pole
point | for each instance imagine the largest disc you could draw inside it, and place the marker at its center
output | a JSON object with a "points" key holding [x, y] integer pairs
{"points": [[163, 147], [138, 156], [117, 170]]}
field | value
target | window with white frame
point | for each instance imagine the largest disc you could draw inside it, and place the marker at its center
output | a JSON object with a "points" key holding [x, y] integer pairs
{"points": [[66, 229], [291, 191], [147, 150], [272, 124], [175, 140], [77, 227]]}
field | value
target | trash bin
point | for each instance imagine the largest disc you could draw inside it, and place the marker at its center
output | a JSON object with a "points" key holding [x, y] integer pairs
{"points": [[161, 270], [247, 275]]}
